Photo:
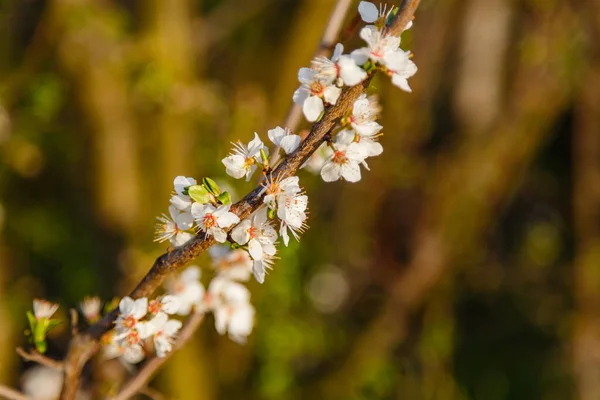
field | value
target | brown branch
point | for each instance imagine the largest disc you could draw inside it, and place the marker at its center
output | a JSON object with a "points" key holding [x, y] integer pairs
{"points": [[11, 394], [34, 356], [85, 345], [138, 383]]}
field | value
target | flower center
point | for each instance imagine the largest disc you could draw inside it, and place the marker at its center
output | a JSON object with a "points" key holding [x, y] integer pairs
{"points": [[339, 157], [129, 321], [273, 188], [317, 88], [154, 306], [209, 221], [133, 338], [253, 232]]}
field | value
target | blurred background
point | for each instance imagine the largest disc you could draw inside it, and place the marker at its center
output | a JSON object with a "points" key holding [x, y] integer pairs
{"points": [[465, 264]]}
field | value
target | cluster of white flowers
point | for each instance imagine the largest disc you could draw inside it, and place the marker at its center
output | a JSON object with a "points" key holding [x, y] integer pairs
{"points": [[203, 209]]}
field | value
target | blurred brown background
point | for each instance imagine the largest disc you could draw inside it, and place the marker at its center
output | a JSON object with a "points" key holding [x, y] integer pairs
{"points": [[465, 265]]}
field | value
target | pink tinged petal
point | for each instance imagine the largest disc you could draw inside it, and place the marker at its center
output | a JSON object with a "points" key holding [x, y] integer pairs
{"points": [[240, 233], [401, 82], [351, 172], [255, 249], [258, 269], [276, 134], [312, 108], [331, 94], [219, 234], [351, 73], [234, 166], [331, 172], [290, 143], [368, 11]]}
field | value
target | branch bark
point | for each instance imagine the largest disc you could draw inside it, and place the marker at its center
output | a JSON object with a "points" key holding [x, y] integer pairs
{"points": [[85, 345], [12, 394]]}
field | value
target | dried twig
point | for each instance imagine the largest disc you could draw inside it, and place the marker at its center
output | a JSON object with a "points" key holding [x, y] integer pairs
{"points": [[84, 346], [74, 321], [138, 383], [11, 394], [34, 356]]}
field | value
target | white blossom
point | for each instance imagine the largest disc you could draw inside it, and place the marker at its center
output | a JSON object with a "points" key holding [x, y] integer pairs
{"points": [[344, 163], [369, 147], [401, 67], [90, 307], [378, 16], [130, 313], [168, 304], [163, 331], [259, 267], [313, 92], [180, 200], [42, 383], [284, 139], [231, 264], [291, 210], [341, 69], [174, 228], [318, 158], [364, 113], [43, 308], [230, 302], [380, 48], [212, 220], [188, 289], [242, 161], [258, 233]]}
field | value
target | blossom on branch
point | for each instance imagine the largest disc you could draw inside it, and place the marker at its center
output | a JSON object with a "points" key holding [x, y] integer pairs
{"points": [[212, 220], [242, 161], [188, 289]]}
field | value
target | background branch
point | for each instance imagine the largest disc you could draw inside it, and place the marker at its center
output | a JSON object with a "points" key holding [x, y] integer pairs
{"points": [[39, 358], [11, 394]]}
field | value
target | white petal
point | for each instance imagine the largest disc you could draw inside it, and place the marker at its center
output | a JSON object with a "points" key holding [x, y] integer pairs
{"points": [[368, 128], [172, 326], [254, 146], [360, 56], [126, 305], [306, 75], [184, 220], [170, 304], [140, 308], [351, 172], [312, 108], [276, 134], [234, 166], [219, 234], [181, 182], [401, 82], [300, 95], [368, 11], [240, 233], [290, 143], [283, 233], [133, 354], [344, 137], [351, 73], [330, 172], [181, 238], [227, 219], [255, 249], [258, 269], [337, 52], [331, 94]]}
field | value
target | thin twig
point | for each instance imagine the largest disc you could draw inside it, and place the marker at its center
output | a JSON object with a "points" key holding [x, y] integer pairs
{"points": [[140, 380], [152, 393], [84, 346], [11, 394], [74, 321], [34, 356]]}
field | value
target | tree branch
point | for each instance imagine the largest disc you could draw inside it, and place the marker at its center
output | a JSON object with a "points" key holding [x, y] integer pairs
{"points": [[11, 394], [138, 383], [39, 358], [85, 345]]}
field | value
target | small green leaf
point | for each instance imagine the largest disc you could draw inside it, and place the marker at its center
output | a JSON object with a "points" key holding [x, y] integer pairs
{"points": [[211, 186], [264, 157], [224, 198], [32, 320], [200, 194], [235, 246], [39, 334], [271, 213], [53, 323], [41, 346]]}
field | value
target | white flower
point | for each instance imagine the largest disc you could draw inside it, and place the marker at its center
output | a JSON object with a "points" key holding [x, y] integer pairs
{"points": [[258, 234], [168, 304], [212, 220], [291, 210], [380, 48], [188, 289], [371, 14], [341, 69], [130, 313], [164, 331], [259, 267], [174, 228], [401, 67], [129, 349], [90, 307], [276, 188], [43, 308], [180, 200], [42, 383], [368, 146], [312, 92], [230, 302], [364, 112], [344, 163], [318, 159], [231, 264], [242, 161], [284, 139]]}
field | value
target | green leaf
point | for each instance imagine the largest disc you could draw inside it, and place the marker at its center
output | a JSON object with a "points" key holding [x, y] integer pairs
{"points": [[211, 186], [200, 194], [39, 334], [32, 320], [264, 157], [224, 198], [271, 213], [53, 323]]}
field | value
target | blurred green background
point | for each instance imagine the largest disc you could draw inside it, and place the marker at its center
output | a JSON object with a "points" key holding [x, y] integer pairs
{"points": [[465, 264]]}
